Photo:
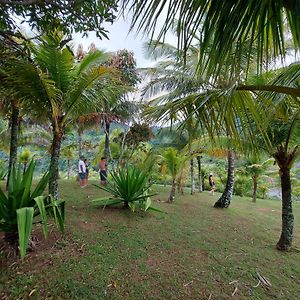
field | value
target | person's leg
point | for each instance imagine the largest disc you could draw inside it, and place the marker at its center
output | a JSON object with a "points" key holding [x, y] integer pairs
{"points": [[103, 177], [85, 180], [81, 179]]}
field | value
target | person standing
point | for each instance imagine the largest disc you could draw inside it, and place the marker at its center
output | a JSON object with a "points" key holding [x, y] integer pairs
{"points": [[211, 183], [81, 172], [103, 171], [86, 171]]}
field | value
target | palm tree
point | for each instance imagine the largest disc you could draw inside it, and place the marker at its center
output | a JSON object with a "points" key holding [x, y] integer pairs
{"points": [[120, 108], [226, 28], [174, 162], [195, 103], [255, 167], [284, 134], [11, 104], [69, 154], [59, 90], [225, 199]]}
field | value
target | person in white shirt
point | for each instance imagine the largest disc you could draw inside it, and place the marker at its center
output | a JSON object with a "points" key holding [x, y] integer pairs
{"points": [[81, 172]]}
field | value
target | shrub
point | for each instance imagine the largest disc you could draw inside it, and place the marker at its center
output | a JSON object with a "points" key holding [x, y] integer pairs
{"points": [[19, 207], [242, 185], [129, 186]]}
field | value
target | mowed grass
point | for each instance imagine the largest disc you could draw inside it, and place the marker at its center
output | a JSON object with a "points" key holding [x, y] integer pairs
{"points": [[192, 251]]}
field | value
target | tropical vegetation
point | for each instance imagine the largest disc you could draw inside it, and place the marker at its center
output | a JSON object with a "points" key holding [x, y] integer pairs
{"points": [[224, 101], [21, 205]]}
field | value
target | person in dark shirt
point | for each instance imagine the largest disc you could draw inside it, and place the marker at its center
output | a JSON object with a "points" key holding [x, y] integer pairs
{"points": [[86, 171], [211, 184]]}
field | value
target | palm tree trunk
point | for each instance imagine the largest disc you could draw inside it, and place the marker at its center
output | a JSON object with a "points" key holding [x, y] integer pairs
{"points": [[120, 161], [53, 168], [225, 199], [69, 169], [199, 174], [180, 183], [172, 192], [254, 188], [106, 149], [192, 176], [80, 144], [286, 237], [13, 153]]}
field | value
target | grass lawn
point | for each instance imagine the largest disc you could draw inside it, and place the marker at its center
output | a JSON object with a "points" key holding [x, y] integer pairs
{"points": [[193, 251]]}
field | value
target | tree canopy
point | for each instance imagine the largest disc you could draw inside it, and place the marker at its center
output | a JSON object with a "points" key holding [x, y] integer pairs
{"points": [[67, 15]]}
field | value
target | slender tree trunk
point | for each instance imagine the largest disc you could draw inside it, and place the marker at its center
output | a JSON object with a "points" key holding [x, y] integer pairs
{"points": [[80, 143], [225, 199], [13, 153], [53, 168], [122, 148], [254, 188], [286, 237], [199, 174], [106, 149], [69, 169], [285, 161], [192, 176], [172, 192], [180, 183]]}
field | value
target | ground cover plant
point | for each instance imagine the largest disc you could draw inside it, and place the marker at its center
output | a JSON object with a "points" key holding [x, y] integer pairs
{"points": [[191, 252]]}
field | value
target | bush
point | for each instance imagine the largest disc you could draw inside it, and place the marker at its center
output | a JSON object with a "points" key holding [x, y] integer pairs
{"points": [[242, 185], [129, 186], [19, 207]]}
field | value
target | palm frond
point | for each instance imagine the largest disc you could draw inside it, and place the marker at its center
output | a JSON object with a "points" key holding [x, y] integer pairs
{"points": [[225, 26]]}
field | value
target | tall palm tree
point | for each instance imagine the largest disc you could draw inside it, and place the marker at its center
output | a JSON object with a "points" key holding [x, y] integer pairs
{"points": [[10, 101], [284, 134], [225, 199], [59, 90]]}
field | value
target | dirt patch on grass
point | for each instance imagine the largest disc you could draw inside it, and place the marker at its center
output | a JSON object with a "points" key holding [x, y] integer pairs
{"points": [[42, 252]]}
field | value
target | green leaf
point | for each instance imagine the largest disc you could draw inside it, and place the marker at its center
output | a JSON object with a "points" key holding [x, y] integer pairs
{"points": [[106, 201], [24, 219], [156, 209], [58, 210], [41, 185], [27, 183], [40, 201]]}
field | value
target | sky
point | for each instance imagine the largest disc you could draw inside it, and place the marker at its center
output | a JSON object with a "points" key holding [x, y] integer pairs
{"points": [[119, 38]]}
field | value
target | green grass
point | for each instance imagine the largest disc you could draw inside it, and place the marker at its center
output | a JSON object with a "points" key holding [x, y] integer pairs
{"points": [[193, 251]]}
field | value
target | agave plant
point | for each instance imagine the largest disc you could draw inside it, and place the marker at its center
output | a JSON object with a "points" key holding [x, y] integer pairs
{"points": [[129, 186], [19, 207]]}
